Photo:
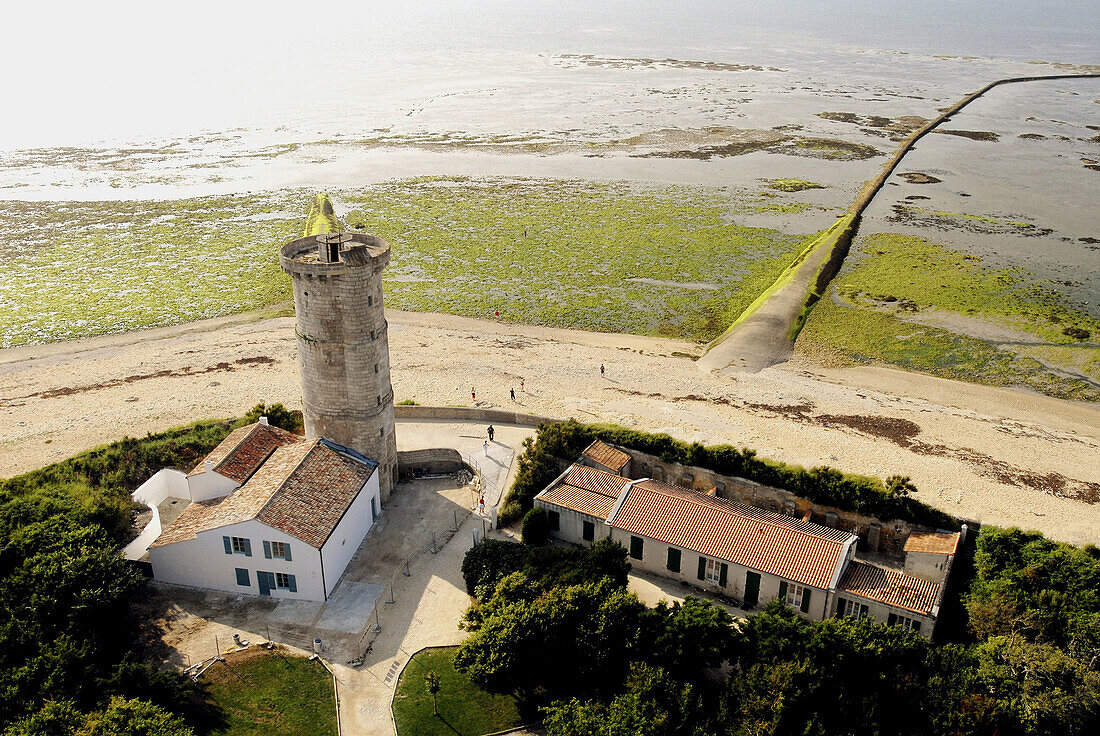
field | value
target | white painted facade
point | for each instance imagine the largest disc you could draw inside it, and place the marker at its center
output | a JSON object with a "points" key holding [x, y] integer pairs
{"points": [[345, 539], [164, 484], [882, 612], [203, 562], [209, 484], [928, 565]]}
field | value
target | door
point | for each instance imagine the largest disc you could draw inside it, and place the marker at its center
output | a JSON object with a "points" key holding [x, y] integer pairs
{"points": [[752, 588], [266, 581]]}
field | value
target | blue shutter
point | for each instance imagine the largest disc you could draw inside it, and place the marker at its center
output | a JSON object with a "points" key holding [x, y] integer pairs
{"points": [[247, 547], [783, 590], [242, 577], [287, 548], [292, 583], [722, 575], [702, 568], [805, 600], [228, 545], [892, 619], [267, 549]]}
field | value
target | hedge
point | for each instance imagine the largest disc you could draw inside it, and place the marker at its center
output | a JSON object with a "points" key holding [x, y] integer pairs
{"points": [[539, 465]]}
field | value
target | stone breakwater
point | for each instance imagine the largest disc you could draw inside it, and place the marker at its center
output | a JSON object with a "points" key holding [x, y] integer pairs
{"points": [[764, 334]]}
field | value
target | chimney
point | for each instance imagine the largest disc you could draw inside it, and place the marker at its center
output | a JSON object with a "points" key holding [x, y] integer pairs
{"points": [[712, 491], [806, 517], [263, 421], [208, 465]]}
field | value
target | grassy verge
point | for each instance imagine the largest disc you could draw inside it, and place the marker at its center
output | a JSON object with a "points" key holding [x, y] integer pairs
{"points": [[464, 708], [608, 257], [872, 311], [265, 694]]}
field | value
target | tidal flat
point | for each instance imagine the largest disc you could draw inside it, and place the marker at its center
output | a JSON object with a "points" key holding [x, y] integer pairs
{"points": [[913, 303], [612, 257]]}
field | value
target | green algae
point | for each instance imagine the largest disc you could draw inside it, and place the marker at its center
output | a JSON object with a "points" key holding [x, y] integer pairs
{"points": [[894, 305], [321, 219], [793, 185], [76, 269]]}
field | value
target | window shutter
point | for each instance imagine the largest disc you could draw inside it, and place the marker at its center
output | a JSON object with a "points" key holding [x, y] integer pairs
{"points": [[228, 545], [722, 575], [636, 547], [839, 608], [292, 584], [248, 548], [242, 577], [915, 628], [892, 619], [782, 590], [805, 600], [267, 549], [702, 568], [286, 547], [673, 559]]}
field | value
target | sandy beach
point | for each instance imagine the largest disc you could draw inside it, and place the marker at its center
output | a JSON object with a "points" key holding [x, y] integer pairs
{"points": [[995, 455]]}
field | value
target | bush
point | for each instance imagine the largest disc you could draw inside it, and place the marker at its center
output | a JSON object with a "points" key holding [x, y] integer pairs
{"points": [[536, 527], [489, 562], [277, 416], [564, 441]]}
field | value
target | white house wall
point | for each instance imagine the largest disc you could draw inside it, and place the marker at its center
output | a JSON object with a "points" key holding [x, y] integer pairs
{"points": [[165, 483], [348, 534], [880, 612], [210, 484], [203, 563], [655, 560], [927, 565], [571, 524]]}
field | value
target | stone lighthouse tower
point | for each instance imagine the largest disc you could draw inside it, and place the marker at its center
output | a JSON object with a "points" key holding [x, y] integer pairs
{"points": [[343, 346]]}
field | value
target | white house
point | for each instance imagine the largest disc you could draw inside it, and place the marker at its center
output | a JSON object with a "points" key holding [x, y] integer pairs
{"points": [[752, 555], [271, 514]]}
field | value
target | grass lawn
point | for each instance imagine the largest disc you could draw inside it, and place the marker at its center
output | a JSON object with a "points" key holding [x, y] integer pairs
{"points": [[464, 709], [263, 694]]}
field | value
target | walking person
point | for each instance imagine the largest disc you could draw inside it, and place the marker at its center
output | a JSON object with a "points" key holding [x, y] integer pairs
{"points": [[601, 370], [521, 386], [512, 393], [473, 394], [490, 433], [486, 446]]}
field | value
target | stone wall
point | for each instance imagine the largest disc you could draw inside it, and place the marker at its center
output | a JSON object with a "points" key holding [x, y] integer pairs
{"points": [[413, 463], [470, 414], [885, 537]]}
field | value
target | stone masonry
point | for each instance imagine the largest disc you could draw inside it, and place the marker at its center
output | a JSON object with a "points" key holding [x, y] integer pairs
{"points": [[343, 346]]}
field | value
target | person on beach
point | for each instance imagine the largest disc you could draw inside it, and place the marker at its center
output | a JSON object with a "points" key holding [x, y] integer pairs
{"points": [[473, 394], [512, 393], [490, 433], [521, 386], [601, 370], [486, 446]]}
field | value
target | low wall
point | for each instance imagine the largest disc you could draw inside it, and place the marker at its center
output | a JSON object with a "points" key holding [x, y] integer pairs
{"points": [[886, 537], [166, 483], [413, 463], [469, 414]]}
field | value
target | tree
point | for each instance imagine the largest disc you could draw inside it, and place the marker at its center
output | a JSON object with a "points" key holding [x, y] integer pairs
{"points": [[277, 416], [536, 527], [431, 681], [899, 486], [687, 638]]}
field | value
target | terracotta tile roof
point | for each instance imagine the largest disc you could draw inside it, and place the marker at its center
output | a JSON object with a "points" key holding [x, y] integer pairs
{"points": [[891, 587], [303, 489], [606, 455], [239, 455], [789, 548], [587, 490], [941, 543], [578, 499]]}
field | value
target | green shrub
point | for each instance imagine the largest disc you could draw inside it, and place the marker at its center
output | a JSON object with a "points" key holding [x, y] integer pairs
{"points": [[277, 416], [536, 527], [491, 561], [540, 464]]}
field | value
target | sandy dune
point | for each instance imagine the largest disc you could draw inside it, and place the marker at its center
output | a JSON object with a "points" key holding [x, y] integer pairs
{"points": [[996, 455]]}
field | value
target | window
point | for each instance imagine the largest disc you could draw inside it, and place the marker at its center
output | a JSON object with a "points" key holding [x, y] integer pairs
{"points": [[851, 609], [286, 582], [798, 597], [370, 301], [373, 510], [636, 547], [242, 577], [372, 335], [375, 367], [280, 550], [714, 570], [905, 622], [237, 546], [382, 432], [380, 400], [588, 531], [554, 519], [673, 559]]}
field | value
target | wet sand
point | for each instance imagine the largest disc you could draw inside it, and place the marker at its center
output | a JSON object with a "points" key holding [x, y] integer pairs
{"points": [[996, 455]]}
